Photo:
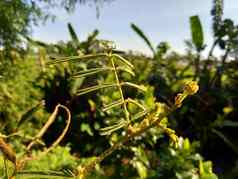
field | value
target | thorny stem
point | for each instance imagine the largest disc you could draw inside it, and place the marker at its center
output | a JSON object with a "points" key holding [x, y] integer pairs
{"points": [[127, 114]]}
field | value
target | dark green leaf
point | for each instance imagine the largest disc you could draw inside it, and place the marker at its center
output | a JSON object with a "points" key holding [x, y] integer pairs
{"points": [[73, 34], [143, 36]]}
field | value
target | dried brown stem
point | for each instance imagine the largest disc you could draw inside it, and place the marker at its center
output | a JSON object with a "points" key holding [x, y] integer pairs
{"points": [[42, 132], [45, 127]]}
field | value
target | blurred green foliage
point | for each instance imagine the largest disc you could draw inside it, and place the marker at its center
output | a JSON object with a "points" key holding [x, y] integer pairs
{"points": [[207, 122], [18, 16]]}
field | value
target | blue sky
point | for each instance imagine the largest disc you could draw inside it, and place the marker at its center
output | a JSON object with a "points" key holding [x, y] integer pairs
{"points": [[161, 20]]}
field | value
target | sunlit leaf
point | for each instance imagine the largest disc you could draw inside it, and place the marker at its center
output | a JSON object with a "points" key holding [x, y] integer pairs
{"points": [[125, 69], [75, 58], [94, 88], [125, 61], [141, 169], [90, 72], [86, 128], [140, 87], [108, 130], [129, 100], [205, 170], [113, 104], [139, 115]]}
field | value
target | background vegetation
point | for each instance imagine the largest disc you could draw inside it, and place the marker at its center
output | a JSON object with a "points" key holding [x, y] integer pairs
{"points": [[36, 77]]}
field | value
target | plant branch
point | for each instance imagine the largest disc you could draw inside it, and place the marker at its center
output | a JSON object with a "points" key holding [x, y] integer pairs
{"points": [[150, 121], [127, 114], [51, 119], [210, 54]]}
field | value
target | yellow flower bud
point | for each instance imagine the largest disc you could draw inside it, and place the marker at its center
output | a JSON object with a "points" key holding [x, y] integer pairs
{"points": [[191, 88], [81, 172], [179, 99]]}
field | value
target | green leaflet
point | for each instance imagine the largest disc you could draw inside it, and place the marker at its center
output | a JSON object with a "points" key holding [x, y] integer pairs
{"points": [[73, 35], [143, 36], [197, 32]]}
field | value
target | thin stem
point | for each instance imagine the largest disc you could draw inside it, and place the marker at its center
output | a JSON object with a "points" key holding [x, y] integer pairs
{"points": [[212, 48], [5, 167], [127, 114], [225, 57], [218, 75], [197, 65]]}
